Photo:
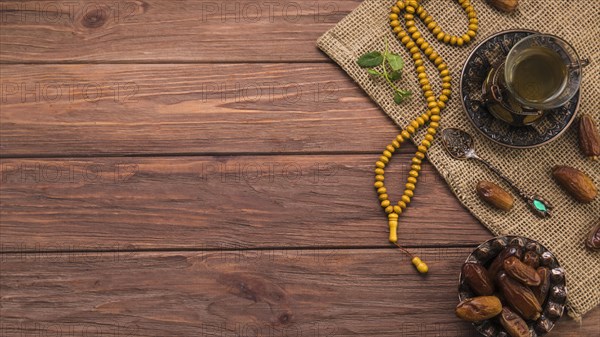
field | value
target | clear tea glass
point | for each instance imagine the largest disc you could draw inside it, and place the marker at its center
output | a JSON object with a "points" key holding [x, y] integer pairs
{"points": [[542, 72]]}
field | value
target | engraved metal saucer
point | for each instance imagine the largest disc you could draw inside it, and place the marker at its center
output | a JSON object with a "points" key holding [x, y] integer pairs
{"points": [[489, 54]]}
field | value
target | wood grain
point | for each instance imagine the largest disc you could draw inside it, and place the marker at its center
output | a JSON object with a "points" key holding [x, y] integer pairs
{"points": [[166, 31], [373, 292], [87, 110], [215, 202]]}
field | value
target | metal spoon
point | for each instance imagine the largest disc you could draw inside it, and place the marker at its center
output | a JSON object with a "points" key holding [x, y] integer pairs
{"points": [[459, 145]]}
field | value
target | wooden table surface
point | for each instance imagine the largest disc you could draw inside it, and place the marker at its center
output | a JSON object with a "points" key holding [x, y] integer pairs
{"points": [[199, 168]]}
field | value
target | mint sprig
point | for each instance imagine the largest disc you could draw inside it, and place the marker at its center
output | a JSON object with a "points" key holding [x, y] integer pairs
{"points": [[387, 65]]}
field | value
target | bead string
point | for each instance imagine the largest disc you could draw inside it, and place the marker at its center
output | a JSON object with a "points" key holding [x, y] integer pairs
{"points": [[416, 45]]}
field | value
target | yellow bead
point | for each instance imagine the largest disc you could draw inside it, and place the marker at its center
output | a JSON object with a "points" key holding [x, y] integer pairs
{"points": [[420, 69], [410, 9], [431, 25], [398, 209], [437, 61], [395, 23], [413, 3], [385, 203], [418, 63], [466, 38], [393, 16], [432, 105], [392, 217], [443, 98], [409, 23], [410, 187], [431, 131], [409, 193], [428, 93], [379, 171], [436, 31], [419, 41], [400, 4], [428, 51], [473, 27], [441, 104], [413, 50], [420, 120], [395, 9], [446, 79], [406, 39], [447, 39], [424, 45], [428, 20], [416, 56], [383, 197], [406, 199], [414, 124], [471, 33], [414, 173], [400, 138], [435, 111], [409, 16], [474, 21], [420, 155], [422, 149], [382, 190], [446, 92], [420, 265], [405, 134], [433, 56], [430, 99], [410, 129], [389, 209], [411, 180], [384, 159], [387, 153], [416, 35], [425, 117], [426, 88], [395, 143], [422, 75], [429, 137], [397, 30], [401, 33], [402, 204], [435, 118], [426, 143], [434, 125], [416, 161], [380, 164], [446, 85], [390, 148], [453, 40], [424, 81], [411, 30], [415, 167], [442, 66], [379, 177], [472, 15], [460, 41], [378, 184]]}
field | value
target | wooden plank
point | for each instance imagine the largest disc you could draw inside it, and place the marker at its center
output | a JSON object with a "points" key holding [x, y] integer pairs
{"points": [[373, 292], [215, 202], [87, 110], [166, 31]]}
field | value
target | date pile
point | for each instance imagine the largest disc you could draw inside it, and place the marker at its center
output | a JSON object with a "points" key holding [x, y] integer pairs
{"points": [[511, 290]]}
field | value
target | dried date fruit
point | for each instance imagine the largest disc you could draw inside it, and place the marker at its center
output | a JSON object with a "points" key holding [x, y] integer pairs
{"points": [[593, 239], [504, 5], [541, 291], [495, 195], [531, 259], [519, 297], [497, 264], [578, 184], [589, 138], [478, 308], [514, 324], [477, 278], [521, 272]]}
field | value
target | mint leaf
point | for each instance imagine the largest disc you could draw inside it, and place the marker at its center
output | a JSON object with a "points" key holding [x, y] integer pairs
{"points": [[373, 72], [394, 76], [398, 98], [370, 60], [395, 61]]}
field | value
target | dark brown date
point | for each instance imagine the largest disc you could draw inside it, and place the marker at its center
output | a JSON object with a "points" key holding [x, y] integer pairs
{"points": [[480, 308], [531, 259], [477, 278], [593, 239], [498, 263], [514, 324], [521, 272], [541, 291], [520, 297]]}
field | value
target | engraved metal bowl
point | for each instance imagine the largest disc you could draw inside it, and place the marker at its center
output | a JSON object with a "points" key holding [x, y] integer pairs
{"points": [[552, 308]]}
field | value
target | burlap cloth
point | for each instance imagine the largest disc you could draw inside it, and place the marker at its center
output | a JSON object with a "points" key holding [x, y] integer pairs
{"points": [[576, 21]]}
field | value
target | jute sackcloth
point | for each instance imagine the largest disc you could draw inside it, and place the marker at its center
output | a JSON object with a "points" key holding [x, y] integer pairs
{"points": [[367, 27]]}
